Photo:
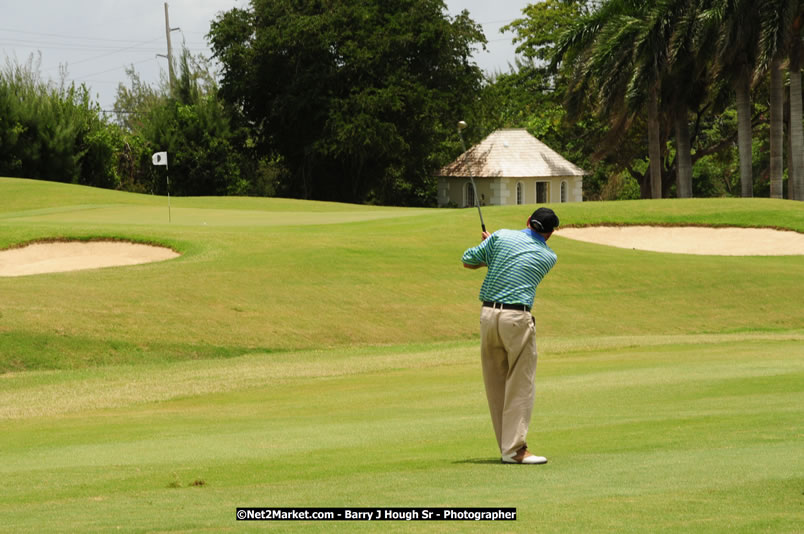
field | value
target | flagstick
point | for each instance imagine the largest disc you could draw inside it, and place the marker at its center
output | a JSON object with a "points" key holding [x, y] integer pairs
{"points": [[167, 170], [156, 159]]}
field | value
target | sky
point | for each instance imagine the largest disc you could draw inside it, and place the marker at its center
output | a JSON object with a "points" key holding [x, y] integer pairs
{"points": [[94, 41]]}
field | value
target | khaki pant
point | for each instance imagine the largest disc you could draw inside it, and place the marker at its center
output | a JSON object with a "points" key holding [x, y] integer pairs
{"points": [[508, 355]]}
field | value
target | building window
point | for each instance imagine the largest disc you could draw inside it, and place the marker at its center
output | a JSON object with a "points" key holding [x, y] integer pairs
{"points": [[470, 195], [519, 192], [564, 191], [542, 192]]}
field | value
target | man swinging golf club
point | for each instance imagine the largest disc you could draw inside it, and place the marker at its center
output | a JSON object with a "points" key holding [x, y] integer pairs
{"points": [[517, 261]]}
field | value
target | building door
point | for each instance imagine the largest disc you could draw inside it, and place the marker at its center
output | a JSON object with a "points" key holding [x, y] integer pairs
{"points": [[470, 194], [542, 192]]}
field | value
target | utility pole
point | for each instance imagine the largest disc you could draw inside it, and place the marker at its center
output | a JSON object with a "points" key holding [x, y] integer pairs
{"points": [[169, 56]]}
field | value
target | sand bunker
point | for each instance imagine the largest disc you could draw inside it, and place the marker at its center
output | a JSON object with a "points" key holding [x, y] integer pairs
{"points": [[693, 239], [39, 258]]}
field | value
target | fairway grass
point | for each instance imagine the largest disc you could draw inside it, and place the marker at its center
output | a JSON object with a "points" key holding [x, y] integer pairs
{"points": [[697, 434], [307, 354]]}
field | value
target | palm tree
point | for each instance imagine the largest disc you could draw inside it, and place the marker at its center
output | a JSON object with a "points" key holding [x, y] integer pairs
{"points": [[615, 54], [778, 20], [688, 77], [796, 179], [636, 59], [651, 70], [735, 25], [796, 175], [776, 127], [644, 57]]}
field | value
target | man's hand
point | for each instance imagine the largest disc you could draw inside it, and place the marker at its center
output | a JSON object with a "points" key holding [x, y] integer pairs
{"points": [[485, 235]]}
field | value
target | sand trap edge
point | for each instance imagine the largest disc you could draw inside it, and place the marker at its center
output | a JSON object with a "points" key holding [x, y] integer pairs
{"points": [[696, 239], [55, 255]]}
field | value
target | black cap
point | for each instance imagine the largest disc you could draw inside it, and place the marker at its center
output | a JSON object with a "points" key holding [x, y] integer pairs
{"points": [[543, 220]]}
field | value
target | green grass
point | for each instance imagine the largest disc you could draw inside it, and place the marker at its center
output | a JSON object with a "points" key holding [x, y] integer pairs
{"points": [[278, 279], [315, 354], [693, 434]]}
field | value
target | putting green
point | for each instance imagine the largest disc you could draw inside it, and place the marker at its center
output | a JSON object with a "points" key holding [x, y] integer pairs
{"points": [[122, 215]]}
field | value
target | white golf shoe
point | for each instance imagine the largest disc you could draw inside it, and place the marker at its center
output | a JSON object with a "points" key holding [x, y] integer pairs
{"points": [[523, 456]]}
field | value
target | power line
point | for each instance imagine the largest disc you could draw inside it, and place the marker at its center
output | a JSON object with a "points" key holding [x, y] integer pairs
{"points": [[61, 46], [87, 76], [108, 53], [81, 38], [75, 44]]}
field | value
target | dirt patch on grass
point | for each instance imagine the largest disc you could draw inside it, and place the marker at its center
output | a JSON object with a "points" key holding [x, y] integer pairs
{"points": [[62, 256], [727, 241]]}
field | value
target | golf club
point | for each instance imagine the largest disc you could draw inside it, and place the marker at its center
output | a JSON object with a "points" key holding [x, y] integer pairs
{"points": [[461, 126]]}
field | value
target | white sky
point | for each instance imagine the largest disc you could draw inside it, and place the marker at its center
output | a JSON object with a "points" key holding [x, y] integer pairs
{"points": [[98, 39]]}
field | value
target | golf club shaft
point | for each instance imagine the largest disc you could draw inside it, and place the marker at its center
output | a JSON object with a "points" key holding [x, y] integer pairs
{"points": [[477, 202], [471, 178]]}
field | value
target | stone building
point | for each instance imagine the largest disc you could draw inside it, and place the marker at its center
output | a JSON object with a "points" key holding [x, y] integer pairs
{"points": [[510, 166]]}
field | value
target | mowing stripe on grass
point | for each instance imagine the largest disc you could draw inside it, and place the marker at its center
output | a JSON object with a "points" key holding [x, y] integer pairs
{"points": [[660, 440]]}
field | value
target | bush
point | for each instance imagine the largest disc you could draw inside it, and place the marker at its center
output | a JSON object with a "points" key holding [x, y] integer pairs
{"points": [[54, 133]]}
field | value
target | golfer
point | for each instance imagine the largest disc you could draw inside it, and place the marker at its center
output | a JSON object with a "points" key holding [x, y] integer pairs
{"points": [[517, 260]]}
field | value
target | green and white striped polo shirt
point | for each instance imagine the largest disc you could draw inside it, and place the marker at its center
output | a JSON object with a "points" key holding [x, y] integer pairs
{"points": [[517, 262]]}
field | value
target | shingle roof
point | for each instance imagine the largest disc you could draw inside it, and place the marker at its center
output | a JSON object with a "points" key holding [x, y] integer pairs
{"points": [[512, 153]]}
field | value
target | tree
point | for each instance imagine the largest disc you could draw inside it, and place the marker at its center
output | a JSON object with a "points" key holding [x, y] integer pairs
{"points": [[354, 97], [534, 97], [53, 132], [206, 152], [796, 180], [776, 127], [544, 22], [735, 24], [780, 22], [619, 53], [672, 68], [687, 77], [133, 103]]}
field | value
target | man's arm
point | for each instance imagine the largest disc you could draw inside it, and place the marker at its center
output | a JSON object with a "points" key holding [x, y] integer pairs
{"points": [[485, 235]]}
